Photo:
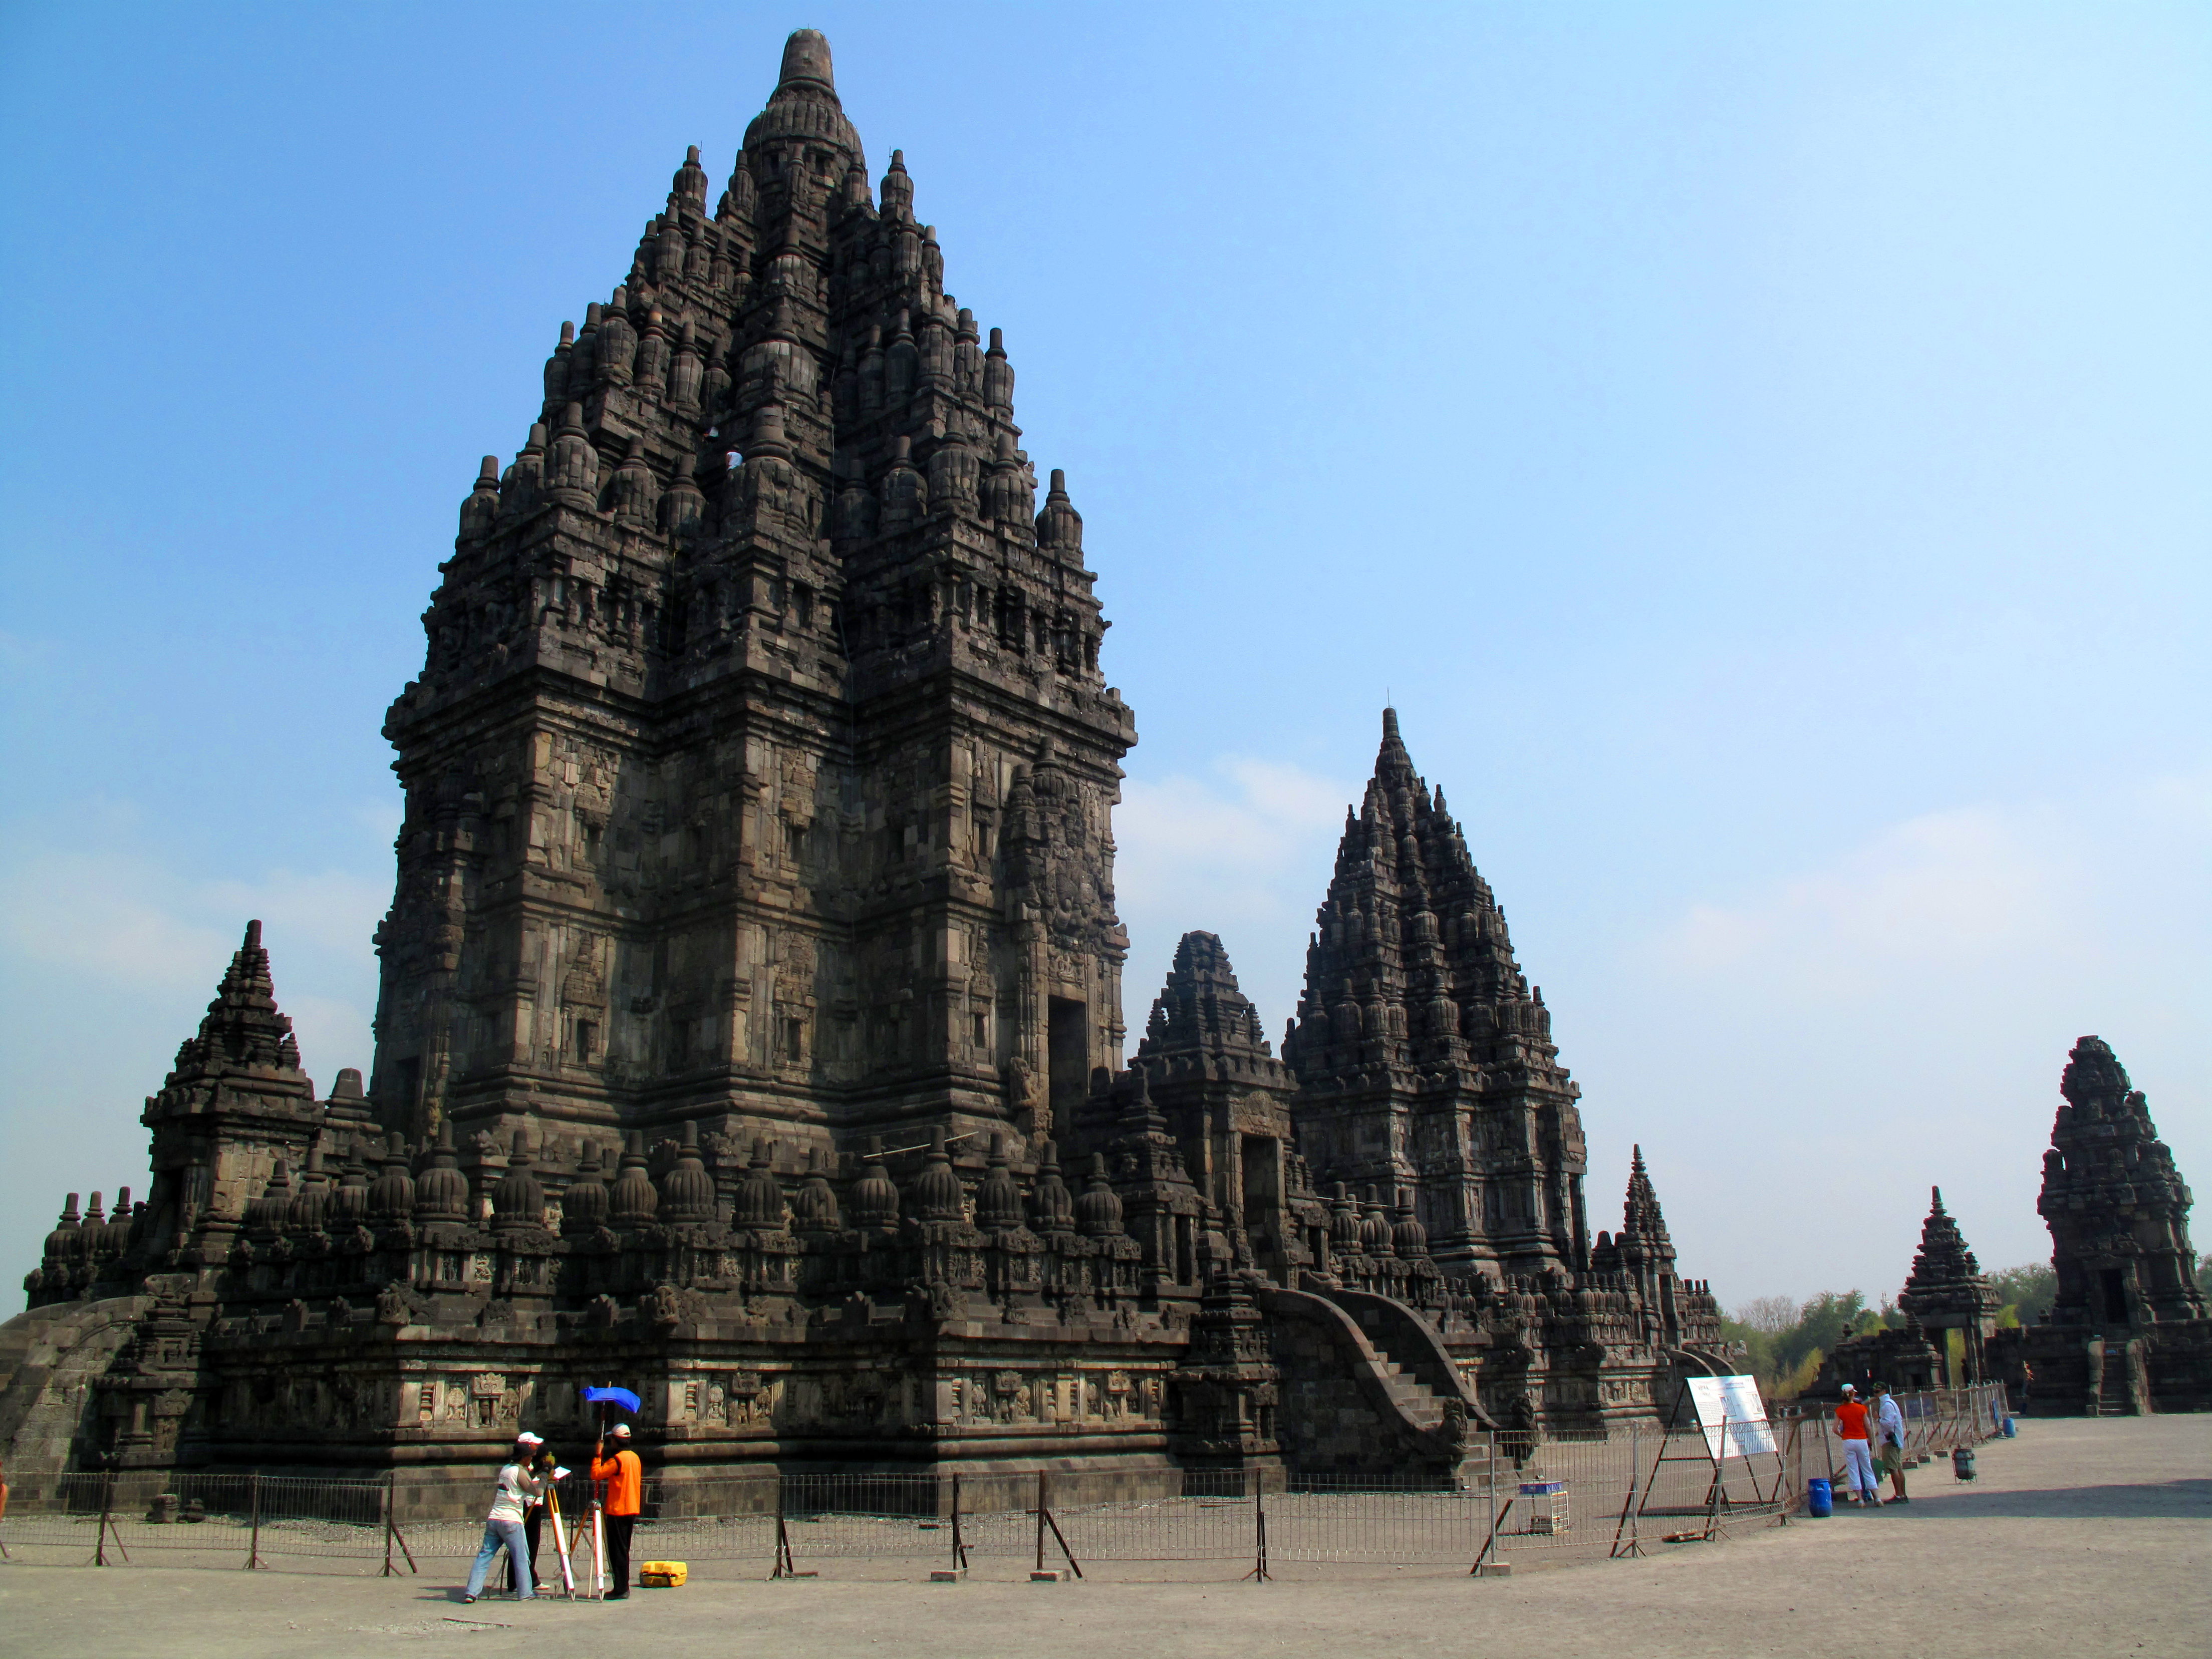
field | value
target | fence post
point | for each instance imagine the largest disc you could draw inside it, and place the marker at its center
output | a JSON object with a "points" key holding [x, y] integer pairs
{"points": [[1489, 1503], [1793, 1468], [1628, 1499], [1636, 1462], [1259, 1509], [392, 1533], [392, 1521], [1044, 1520], [253, 1548], [106, 1507], [783, 1567], [1720, 1479], [1258, 1575]]}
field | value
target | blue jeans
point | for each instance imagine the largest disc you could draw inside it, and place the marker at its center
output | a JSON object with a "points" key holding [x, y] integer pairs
{"points": [[504, 1534]]}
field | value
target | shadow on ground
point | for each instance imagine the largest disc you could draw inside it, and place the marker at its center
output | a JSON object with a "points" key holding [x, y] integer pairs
{"points": [[2166, 1500]]}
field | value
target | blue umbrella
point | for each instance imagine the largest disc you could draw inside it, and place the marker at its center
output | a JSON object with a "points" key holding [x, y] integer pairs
{"points": [[622, 1397]]}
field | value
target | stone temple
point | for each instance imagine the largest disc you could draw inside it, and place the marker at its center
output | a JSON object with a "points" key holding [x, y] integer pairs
{"points": [[750, 1028], [1950, 1310], [2129, 1331]]}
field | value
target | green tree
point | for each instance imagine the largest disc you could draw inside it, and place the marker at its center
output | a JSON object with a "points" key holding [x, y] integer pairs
{"points": [[1785, 1340], [1827, 1320], [2025, 1294]]}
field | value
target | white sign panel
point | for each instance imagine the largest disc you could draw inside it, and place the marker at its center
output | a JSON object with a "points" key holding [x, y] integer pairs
{"points": [[1729, 1408]]}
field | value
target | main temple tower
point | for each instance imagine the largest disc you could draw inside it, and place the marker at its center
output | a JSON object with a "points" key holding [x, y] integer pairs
{"points": [[761, 769], [750, 1020]]}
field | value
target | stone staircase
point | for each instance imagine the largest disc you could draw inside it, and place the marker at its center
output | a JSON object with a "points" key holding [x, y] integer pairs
{"points": [[1367, 1387], [49, 1358], [1415, 1371], [1423, 1404], [1418, 1371], [1415, 1398], [2113, 1399], [1345, 1408]]}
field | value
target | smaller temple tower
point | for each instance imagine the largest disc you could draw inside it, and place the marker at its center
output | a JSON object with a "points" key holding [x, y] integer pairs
{"points": [[1947, 1291], [1423, 1057], [1676, 1312], [2129, 1330], [234, 1107], [1201, 1125], [2117, 1208]]}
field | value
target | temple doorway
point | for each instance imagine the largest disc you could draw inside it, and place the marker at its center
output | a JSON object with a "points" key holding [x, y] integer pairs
{"points": [[2114, 1283], [1067, 1056]]}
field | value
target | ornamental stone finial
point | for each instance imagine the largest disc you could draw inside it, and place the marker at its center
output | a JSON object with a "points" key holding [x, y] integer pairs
{"points": [[806, 58]]}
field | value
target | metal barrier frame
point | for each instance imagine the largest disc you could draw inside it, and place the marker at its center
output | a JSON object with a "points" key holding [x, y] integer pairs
{"points": [[795, 1522]]}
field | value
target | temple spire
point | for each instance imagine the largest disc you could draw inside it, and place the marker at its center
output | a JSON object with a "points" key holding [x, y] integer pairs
{"points": [[803, 115], [807, 62], [1946, 1290], [786, 387], [1944, 1271], [243, 1026], [1201, 1010], [1641, 1221], [1410, 986], [1393, 767], [1409, 923]]}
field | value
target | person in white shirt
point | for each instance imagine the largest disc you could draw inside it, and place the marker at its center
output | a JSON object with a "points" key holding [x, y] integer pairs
{"points": [[1889, 1432], [515, 1490], [530, 1451]]}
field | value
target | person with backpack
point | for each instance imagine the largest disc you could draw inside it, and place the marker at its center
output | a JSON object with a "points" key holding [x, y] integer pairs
{"points": [[1889, 1430]]}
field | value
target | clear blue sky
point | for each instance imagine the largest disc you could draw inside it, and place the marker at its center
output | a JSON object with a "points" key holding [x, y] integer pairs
{"points": [[1762, 450]]}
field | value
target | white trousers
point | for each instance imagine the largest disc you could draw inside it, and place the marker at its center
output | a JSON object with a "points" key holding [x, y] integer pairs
{"points": [[1860, 1462]]}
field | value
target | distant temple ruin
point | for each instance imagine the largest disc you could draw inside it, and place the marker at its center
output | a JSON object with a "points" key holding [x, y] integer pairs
{"points": [[2129, 1331], [750, 1028], [1950, 1310]]}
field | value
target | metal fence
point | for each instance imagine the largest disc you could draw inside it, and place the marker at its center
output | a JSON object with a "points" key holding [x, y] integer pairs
{"points": [[243, 1520], [1937, 1423], [1559, 1498]]}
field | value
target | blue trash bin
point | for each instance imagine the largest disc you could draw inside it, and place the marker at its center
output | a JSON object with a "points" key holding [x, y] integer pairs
{"points": [[2011, 1429], [1820, 1499]]}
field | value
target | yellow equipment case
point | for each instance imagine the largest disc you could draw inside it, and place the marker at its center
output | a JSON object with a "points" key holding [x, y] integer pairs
{"points": [[661, 1574]]}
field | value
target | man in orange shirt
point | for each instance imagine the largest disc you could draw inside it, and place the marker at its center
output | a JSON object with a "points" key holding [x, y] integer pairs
{"points": [[1858, 1457], [625, 1478]]}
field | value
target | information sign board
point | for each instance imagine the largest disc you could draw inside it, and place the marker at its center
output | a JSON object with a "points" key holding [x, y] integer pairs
{"points": [[1733, 1401]]}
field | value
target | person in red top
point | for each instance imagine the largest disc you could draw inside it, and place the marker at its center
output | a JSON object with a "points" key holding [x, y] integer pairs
{"points": [[625, 1478], [1858, 1457]]}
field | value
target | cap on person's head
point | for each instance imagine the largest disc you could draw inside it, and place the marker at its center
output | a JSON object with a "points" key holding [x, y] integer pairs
{"points": [[526, 1438], [1851, 1388], [620, 1432]]}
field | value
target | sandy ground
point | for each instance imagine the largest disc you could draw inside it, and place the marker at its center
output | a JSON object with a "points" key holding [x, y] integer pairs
{"points": [[2081, 1538]]}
